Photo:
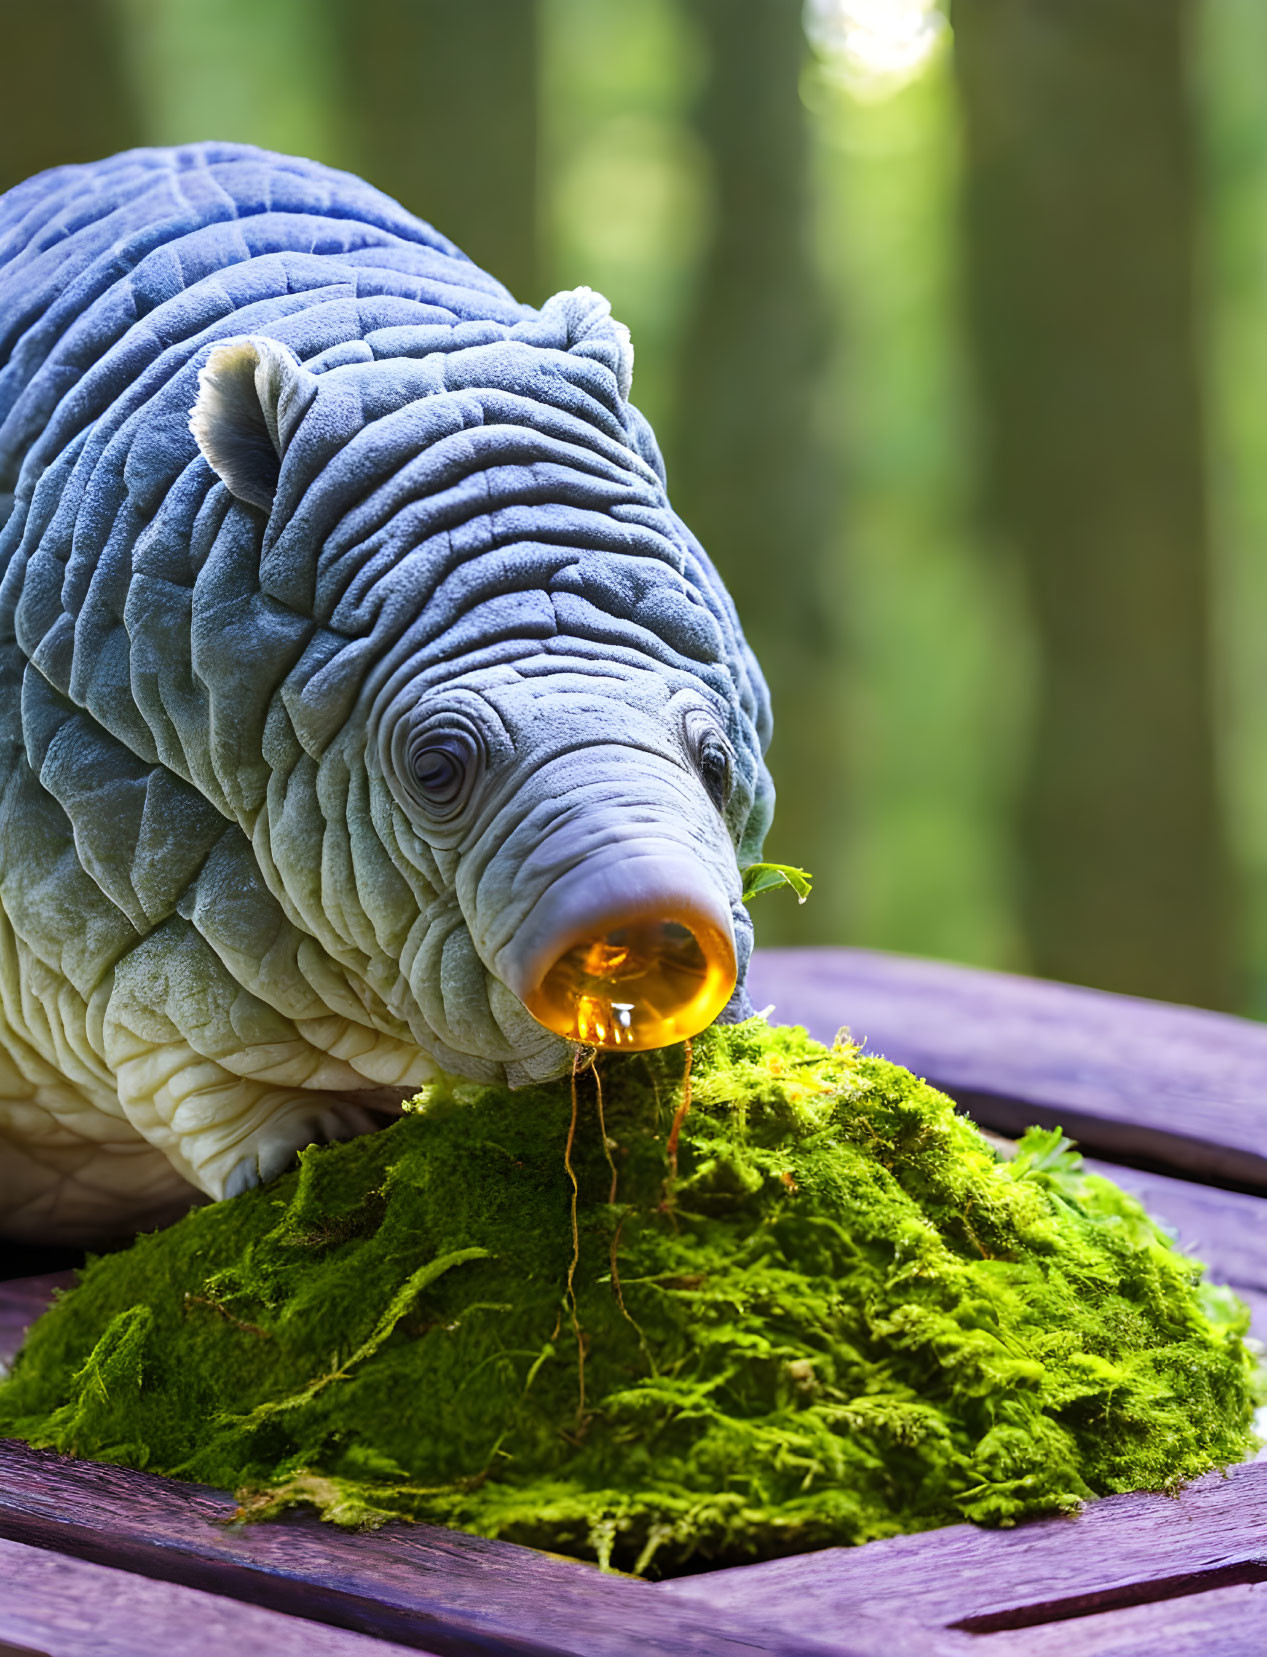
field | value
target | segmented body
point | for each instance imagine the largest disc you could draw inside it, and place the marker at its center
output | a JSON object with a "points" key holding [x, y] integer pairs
{"points": [[217, 938]]}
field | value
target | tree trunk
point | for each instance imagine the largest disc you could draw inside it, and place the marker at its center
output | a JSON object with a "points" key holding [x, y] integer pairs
{"points": [[748, 469], [66, 96], [442, 114], [1080, 226]]}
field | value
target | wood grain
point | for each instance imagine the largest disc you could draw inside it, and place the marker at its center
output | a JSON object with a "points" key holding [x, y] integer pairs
{"points": [[1222, 1622], [1175, 1088], [61, 1607], [1121, 1551], [418, 1585]]}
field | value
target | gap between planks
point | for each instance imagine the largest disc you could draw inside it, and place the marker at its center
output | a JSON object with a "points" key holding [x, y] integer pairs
{"points": [[420, 1586], [1112, 1579], [53, 1606]]}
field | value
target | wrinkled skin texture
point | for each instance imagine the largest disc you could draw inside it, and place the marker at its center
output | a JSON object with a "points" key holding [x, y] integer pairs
{"points": [[231, 922]]}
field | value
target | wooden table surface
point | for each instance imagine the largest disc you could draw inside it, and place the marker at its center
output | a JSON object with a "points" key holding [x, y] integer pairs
{"points": [[1171, 1101]]}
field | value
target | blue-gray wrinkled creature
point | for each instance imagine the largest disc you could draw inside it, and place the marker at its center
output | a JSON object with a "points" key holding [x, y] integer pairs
{"points": [[367, 711]]}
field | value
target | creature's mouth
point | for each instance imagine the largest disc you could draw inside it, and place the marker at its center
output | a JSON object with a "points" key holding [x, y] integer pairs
{"points": [[633, 950], [646, 983]]}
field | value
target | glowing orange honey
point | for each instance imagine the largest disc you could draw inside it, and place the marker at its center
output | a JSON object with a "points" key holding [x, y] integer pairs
{"points": [[646, 984]]}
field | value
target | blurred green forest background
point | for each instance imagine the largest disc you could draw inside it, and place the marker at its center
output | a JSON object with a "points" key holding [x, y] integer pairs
{"points": [[954, 331]]}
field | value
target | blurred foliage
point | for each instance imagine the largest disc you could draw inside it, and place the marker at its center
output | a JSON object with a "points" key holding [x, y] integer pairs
{"points": [[784, 234], [1231, 87], [937, 668], [71, 95], [1079, 216], [624, 183], [439, 106], [750, 445]]}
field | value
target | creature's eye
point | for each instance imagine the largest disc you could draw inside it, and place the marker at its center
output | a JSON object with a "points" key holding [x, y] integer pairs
{"points": [[716, 771], [438, 767]]}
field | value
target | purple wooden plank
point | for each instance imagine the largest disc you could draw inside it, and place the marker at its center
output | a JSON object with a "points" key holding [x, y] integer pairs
{"points": [[1219, 1622], [1122, 1551], [68, 1608], [1141, 1081], [460, 1596], [22, 1300]]}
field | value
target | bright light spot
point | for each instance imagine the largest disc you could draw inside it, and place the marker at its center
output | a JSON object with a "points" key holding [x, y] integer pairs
{"points": [[874, 46]]}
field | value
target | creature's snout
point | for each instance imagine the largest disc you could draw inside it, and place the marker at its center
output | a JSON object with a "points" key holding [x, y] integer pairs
{"points": [[636, 953]]}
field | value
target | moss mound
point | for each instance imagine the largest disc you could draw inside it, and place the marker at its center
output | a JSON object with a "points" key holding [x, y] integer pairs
{"points": [[827, 1313]]}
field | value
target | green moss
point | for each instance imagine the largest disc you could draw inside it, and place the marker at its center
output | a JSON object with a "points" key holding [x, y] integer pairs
{"points": [[841, 1318]]}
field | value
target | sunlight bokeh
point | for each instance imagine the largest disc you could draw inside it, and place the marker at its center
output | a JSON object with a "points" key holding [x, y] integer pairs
{"points": [[875, 47]]}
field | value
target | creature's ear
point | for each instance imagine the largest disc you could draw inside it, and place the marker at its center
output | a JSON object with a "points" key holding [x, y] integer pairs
{"points": [[586, 326], [251, 393]]}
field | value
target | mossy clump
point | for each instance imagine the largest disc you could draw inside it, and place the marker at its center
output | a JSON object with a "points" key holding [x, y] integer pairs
{"points": [[816, 1308]]}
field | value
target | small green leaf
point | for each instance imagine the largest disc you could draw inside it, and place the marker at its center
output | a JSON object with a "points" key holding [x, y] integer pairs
{"points": [[1045, 1151], [764, 877]]}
